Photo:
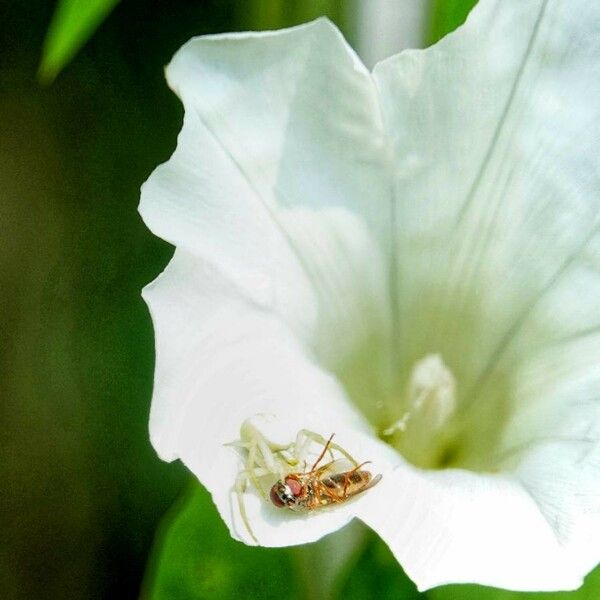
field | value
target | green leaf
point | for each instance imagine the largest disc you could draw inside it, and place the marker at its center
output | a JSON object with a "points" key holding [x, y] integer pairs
{"points": [[446, 16], [276, 14], [589, 591], [374, 572], [73, 23], [195, 557]]}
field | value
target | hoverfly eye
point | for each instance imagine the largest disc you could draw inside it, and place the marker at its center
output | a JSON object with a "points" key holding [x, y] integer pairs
{"points": [[294, 486], [275, 499]]}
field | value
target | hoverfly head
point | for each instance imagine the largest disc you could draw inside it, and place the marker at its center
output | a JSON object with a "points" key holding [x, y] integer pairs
{"points": [[285, 493]]}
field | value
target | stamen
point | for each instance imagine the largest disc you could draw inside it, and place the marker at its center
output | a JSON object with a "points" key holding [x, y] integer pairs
{"points": [[397, 426], [430, 403], [431, 391]]}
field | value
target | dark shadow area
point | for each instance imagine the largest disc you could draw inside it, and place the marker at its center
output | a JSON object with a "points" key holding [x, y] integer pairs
{"points": [[82, 489]]}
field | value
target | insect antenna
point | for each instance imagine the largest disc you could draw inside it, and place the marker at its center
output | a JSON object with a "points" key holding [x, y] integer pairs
{"points": [[322, 453]]}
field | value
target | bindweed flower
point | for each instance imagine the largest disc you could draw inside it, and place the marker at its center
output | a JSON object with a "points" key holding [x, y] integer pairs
{"points": [[408, 258]]}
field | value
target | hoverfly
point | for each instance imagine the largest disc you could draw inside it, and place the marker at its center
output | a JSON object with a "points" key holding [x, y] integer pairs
{"points": [[304, 492], [300, 491]]}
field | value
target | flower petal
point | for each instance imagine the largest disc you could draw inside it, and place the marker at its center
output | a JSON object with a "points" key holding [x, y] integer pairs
{"points": [[556, 431], [497, 157], [272, 200], [497, 173], [267, 99], [277, 182], [460, 527], [221, 360]]}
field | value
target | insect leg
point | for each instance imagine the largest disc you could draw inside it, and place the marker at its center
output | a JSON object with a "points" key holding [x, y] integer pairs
{"points": [[318, 472], [349, 474], [319, 439], [322, 453], [331, 490]]}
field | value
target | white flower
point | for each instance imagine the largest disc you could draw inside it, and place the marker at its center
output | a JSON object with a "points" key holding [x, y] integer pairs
{"points": [[408, 258]]}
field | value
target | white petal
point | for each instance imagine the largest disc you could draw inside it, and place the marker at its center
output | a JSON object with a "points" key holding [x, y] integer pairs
{"points": [[557, 428], [267, 99], [459, 527], [268, 191], [497, 153], [278, 183], [273, 200], [219, 361], [495, 139]]}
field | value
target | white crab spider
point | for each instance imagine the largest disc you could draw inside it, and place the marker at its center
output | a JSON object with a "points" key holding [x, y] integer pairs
{"points": [[264, 458]]}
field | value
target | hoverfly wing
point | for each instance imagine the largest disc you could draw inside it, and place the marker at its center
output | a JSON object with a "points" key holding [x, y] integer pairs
{"points": [[339, 465], [340, 487], [363, 488]]}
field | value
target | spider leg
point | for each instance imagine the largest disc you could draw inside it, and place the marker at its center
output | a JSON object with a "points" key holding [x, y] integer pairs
{"points": [[240, 486], [300, 448], [319, 439], [275, 457], [266, 453], [250, 470]]}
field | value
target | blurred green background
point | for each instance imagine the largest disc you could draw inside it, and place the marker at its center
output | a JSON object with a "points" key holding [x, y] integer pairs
{"points": [[83, 492]]}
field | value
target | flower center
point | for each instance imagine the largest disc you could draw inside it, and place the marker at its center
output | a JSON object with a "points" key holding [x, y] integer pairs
{"points": [[442, 402], [434, 431], [430, 402], [423, 434]]}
